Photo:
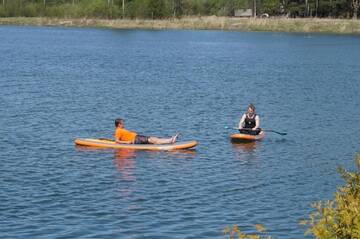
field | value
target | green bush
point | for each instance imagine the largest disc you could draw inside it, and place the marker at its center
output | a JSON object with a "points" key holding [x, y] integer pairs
{"points": [[149, 9], [332, 219], [271, 7], [339, 218], [12, 8], [95, 8], [54, 11], [295, 9], [194, 7], [66, 11], [2, 12], [234, 232], [32, 10], [71, 11]]}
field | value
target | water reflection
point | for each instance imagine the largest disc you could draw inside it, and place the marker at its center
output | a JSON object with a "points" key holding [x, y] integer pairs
{"points": [[171, 154], [245, 147], [125, 163], [246, 152], [125, 159], [182, 154], [89, 149]]}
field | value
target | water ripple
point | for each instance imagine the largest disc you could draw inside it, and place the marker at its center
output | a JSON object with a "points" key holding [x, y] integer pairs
{"points": [[161, 82]]}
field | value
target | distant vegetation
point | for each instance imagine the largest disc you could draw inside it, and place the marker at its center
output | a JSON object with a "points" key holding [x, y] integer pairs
{"points": [[160, 9], [337, 218]]}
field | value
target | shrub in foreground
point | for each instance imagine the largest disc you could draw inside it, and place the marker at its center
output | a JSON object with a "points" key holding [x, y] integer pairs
{"points": [[339, 218], [333, 219]]}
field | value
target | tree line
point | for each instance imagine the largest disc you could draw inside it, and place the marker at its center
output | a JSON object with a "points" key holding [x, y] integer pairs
{"points": [[161, 9]]}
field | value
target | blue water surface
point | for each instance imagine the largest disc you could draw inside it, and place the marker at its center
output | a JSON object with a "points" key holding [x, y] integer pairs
{"points": [[58, 84]]}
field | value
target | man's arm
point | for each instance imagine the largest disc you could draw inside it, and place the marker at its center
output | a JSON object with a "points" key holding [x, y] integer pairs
{"points": [[257, 121], [242, 121]]}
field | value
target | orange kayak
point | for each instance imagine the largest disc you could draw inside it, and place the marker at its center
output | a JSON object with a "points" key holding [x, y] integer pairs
{"points": [[247, 137], [107, 143]]}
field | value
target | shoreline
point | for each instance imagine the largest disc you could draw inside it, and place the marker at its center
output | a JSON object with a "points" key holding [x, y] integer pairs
{"points": [[303, 25]]}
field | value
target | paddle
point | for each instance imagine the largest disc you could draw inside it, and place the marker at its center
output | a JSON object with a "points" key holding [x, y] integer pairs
{"points": [[266, 130]]}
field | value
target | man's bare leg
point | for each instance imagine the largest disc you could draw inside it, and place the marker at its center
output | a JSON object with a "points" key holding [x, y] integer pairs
{"points": [[156, 140]]}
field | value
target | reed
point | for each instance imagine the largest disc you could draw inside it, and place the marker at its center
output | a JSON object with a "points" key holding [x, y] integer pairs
{"points": [[305, 25]]}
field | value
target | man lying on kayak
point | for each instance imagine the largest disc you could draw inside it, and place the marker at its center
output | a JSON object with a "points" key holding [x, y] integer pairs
{"points": [[123, 136], [250, 122]]}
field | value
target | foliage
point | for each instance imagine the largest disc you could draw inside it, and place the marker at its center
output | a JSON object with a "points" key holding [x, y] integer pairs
{"points": [[235, 232], [158, 9], [272, 7], [194, 7], [31, 10], [2, 12], [339, 218]]}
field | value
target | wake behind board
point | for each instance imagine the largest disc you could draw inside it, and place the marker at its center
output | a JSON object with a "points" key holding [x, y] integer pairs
{"points": [[107, 143]]}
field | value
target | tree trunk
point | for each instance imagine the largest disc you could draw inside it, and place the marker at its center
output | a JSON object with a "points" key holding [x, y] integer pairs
{"points": [[173, 8], [123, 8], [254, 8], [355, 5], [177, 8]]}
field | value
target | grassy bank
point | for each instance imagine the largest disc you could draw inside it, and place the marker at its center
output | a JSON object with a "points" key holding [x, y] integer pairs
{"points": [[221, 23]]}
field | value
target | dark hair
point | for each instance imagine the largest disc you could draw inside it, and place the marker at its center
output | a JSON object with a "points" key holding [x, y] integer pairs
{"points": [[251, 106], [118, 121]]}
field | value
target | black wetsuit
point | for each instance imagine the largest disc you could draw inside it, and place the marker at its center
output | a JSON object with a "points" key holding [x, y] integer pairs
{"points": [[249, 124]]}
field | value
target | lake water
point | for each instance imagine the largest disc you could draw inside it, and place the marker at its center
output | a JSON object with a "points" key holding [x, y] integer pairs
{"points": [[58, 84]]}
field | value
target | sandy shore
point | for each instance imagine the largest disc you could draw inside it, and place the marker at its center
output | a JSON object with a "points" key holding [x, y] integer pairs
{"points": [[337, 26]]}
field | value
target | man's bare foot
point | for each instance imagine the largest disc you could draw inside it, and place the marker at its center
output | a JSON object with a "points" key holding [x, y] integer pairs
{"points": [[174, 138]]}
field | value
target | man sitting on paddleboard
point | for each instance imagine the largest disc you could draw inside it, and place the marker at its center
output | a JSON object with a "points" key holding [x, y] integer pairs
{"points": [[123, 136], [250, 122]]}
